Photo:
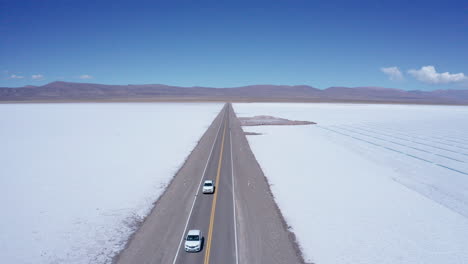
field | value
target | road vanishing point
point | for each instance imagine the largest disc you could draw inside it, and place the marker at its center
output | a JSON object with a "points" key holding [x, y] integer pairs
{"points": [[240, 221]]}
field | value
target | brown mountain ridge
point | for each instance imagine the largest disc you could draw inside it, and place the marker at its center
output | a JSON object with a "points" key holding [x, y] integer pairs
{"points": [[69, 91]]}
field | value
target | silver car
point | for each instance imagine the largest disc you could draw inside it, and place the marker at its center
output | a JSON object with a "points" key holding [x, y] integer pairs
{"points": [[193, 241], [208, 186]]}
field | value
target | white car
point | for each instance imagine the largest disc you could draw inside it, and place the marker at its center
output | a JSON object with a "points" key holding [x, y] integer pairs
{"points": [[193, 241], [208, 186]]}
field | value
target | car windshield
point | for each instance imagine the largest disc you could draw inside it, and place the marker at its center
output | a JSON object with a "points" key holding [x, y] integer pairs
{"points": [[208, 184], [193, 238]]}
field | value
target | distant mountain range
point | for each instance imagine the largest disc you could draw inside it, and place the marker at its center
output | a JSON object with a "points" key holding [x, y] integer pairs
{"points": [[68, 91]]}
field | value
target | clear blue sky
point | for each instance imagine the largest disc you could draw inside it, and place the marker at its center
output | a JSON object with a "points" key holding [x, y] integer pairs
{"points": [[221, 44]]}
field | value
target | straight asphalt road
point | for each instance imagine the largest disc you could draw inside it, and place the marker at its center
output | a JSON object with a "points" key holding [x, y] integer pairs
{"points": [[214, 213], [240, 222]]}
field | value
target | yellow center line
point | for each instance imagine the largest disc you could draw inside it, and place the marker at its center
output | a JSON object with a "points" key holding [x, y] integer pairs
{"points": [[213, 205]]}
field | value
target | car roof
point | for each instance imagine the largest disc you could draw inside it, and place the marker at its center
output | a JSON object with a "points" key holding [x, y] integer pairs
{"points": [[210, 181], [193, 232]]}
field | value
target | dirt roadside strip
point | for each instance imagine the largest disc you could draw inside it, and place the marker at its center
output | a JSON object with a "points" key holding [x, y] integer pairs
{"points": [[263, 236]]}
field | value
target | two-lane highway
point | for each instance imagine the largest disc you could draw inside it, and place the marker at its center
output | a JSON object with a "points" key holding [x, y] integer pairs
{"points": [[240, 221], [214, 214]]}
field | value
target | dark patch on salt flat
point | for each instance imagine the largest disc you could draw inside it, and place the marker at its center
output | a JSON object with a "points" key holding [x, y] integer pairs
{"points": [[265, 120]]}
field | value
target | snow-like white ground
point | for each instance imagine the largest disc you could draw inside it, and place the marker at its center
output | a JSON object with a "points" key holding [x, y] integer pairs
{"points": [[75, 177], [369, 183]]}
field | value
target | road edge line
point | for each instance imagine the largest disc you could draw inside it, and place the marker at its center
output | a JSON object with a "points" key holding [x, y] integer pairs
{"points": [[233, 196]]}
